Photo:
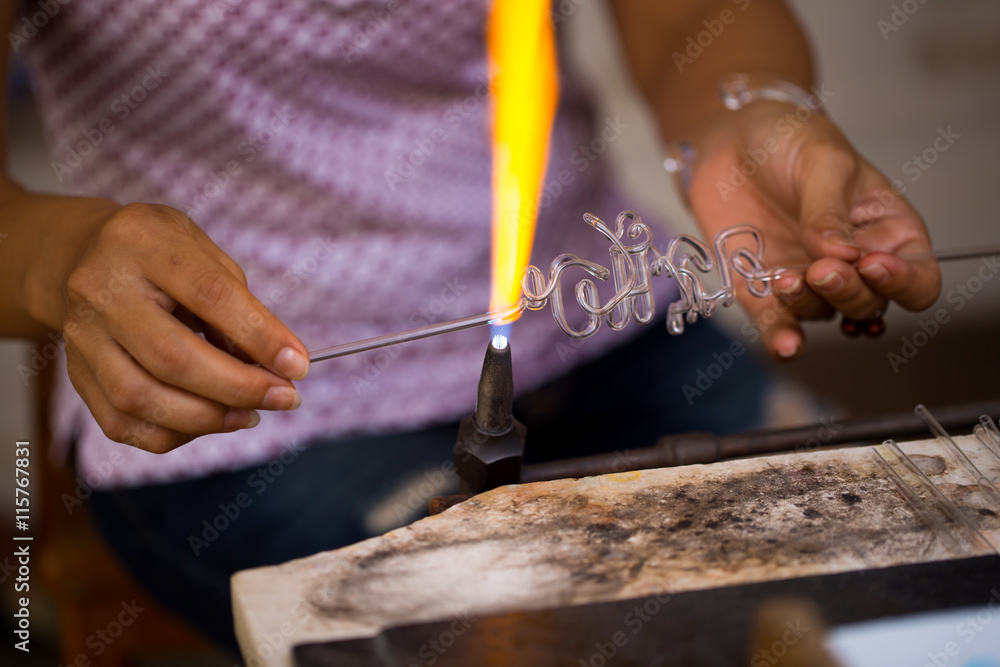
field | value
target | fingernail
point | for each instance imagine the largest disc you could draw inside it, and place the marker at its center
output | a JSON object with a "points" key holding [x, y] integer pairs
{"points": [[795, 289], [237, 418], [875, 273], [788, 349], [281, 398], [830, 282], [291, 364], [839, 238]]}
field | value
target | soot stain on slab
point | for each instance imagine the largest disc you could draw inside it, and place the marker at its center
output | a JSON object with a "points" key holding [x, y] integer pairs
{"points": [[970, 500], [775, 515], [986, 519], [850, 498], [578, 545]]}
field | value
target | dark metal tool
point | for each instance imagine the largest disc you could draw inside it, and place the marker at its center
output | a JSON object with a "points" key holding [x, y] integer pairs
{"points": [[490, 443], [687, 448]]}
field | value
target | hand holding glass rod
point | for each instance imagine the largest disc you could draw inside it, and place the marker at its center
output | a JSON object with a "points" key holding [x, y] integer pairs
{"points": [[632, 266]]}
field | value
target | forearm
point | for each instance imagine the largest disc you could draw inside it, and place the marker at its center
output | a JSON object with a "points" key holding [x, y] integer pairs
{"points": [[41, 237], [680, 81]]}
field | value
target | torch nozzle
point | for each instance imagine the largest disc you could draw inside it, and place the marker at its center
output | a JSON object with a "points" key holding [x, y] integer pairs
{"points": [[495, 399], [490, 442]]}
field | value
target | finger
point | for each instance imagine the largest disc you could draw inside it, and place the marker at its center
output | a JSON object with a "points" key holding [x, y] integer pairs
{"points": [[842, 287], [224, 342], [792, 289], [174, 354], [209, 284], [188, 319], [223, 302], [825, 185], [206, 242], [133, 392], [913, 284], [883, 220], [891, 230], [779, 328], [196, 233], [146, 435], [211, 334]]}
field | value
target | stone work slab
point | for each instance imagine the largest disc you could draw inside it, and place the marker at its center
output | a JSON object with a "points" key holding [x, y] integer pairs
{"points": [[612, 537]]}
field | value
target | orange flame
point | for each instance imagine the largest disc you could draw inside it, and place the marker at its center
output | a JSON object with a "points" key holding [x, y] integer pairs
{"points": [[524, 82]]}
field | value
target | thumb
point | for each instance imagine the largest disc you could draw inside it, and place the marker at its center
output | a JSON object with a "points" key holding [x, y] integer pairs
{"points": [[825, 181]]}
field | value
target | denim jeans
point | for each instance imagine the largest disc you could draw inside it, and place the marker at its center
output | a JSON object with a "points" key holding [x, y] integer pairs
{"points": [[183, 541]]}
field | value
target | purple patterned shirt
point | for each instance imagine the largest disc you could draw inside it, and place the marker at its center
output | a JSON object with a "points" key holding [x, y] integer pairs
{"points": [[339, 151]]}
